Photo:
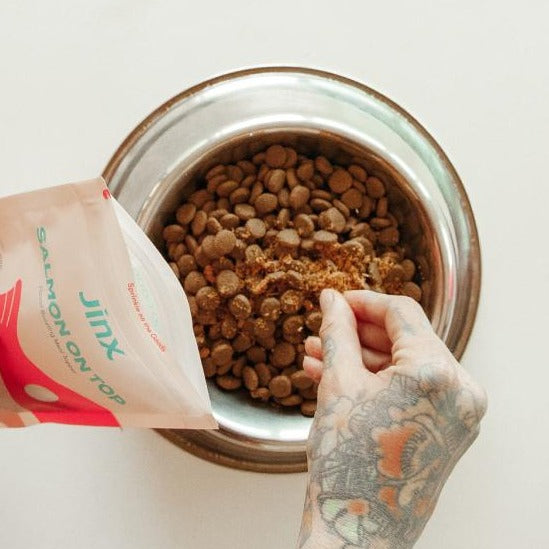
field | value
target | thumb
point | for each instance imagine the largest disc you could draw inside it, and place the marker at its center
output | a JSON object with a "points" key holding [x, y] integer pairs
{"points": [[340, 344]]}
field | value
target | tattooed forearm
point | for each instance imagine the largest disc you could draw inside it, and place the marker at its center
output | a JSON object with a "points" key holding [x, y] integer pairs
{"points": [[378, 464]]}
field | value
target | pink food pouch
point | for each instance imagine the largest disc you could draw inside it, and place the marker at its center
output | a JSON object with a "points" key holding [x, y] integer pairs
{"points": [[95, 329]]}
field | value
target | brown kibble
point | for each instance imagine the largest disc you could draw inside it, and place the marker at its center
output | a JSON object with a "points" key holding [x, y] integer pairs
{"points": [[242, 342], [264, 328], [304, 224], [320, 204], [381, 208], [276, 181], [300, 380], [308, 408], [389, 237], [244, 212], [216, 170], [291, 301], [288, 238], [240, 306], [200, 197], [291, 157], [229, 327], [340, 180], [283, 354], [222, 353], [280, 386], [193, 307], [358, 172], [225, 242], [186, 264], [299, 196], [270, 308], [226, 188], [324, 237], [215, 181], [174, 233], [208, 247], [262, 394], [409, 268], [227, 283], [256, 354], [250, 378], [207, 298], [213, 226], [352, 198], [305, 171], [292, 325], [256, 227], [228, 382], [193, 282], [309, 393], [239, 195], [209, 367], [323, 165], [375, 187], [343, 208], [291, 400], [263, 374], [247, 167], [198, 225], [265, 203], [185, 213], [332, 220], [174, 268], [275, 156], [283, 218], [313, 321], [411, 290], [238, 366]]}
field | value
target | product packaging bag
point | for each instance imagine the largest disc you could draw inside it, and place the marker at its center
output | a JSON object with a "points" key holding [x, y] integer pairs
{"points": [[95, 329]]}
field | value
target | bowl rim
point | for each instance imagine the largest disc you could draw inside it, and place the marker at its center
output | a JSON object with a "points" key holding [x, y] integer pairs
{"points": [[194, 444]]}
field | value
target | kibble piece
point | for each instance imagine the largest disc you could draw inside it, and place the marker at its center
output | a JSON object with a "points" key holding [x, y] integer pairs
{"points": [[222, 353], [264, 328], [305, 171], [186, 264], [293, 324], [381, 208], [209, 367], [280, 386], [242, 342], [275, 156], [174, 268], [411, 290], [228, 382], [193, 307], [308, 408], [323, 165], [291, 400], [213, 226], [198, 225], [244, 211], [291, 301], [324, 237], [313, 321], [299, 196], [200, 197], [409, 269], [288, 238], [332, 220], [276, 181], [250, 378], [240, 306], [310, 393], [389, 236], [375, 187], [263, 374], [185, 213], [226, 188], [238, 366], [320, 204], [270, 308], [304, 224], [227, 283], [283, 354], [229, 327], [261, 394], [207, 298], [174, 233], [300, 380], [256, 227], [239, 195], [265, 203], [340, 181], [193, 282], [229, 221], [208, 247], [358, 172], [256, 354], [352, 198], [225, 241]]}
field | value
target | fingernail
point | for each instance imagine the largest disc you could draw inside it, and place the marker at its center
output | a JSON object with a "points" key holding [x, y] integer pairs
{"points": [[327, 297]]}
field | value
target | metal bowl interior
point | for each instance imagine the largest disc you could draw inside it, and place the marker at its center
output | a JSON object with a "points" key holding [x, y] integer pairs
{"points": [[233, 117]]}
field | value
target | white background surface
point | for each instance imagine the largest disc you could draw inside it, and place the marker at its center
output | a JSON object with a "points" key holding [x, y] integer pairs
{"points": [[76, 77]]}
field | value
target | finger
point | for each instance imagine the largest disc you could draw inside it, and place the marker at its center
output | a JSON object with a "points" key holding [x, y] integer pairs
{"points": [[373, 336], [312, 367], [374, 360], [313, 347], [400, 316], [341, 351]]}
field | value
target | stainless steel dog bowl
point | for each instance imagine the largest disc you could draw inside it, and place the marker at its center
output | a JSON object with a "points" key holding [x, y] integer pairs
{"points": [[229, 117]]}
